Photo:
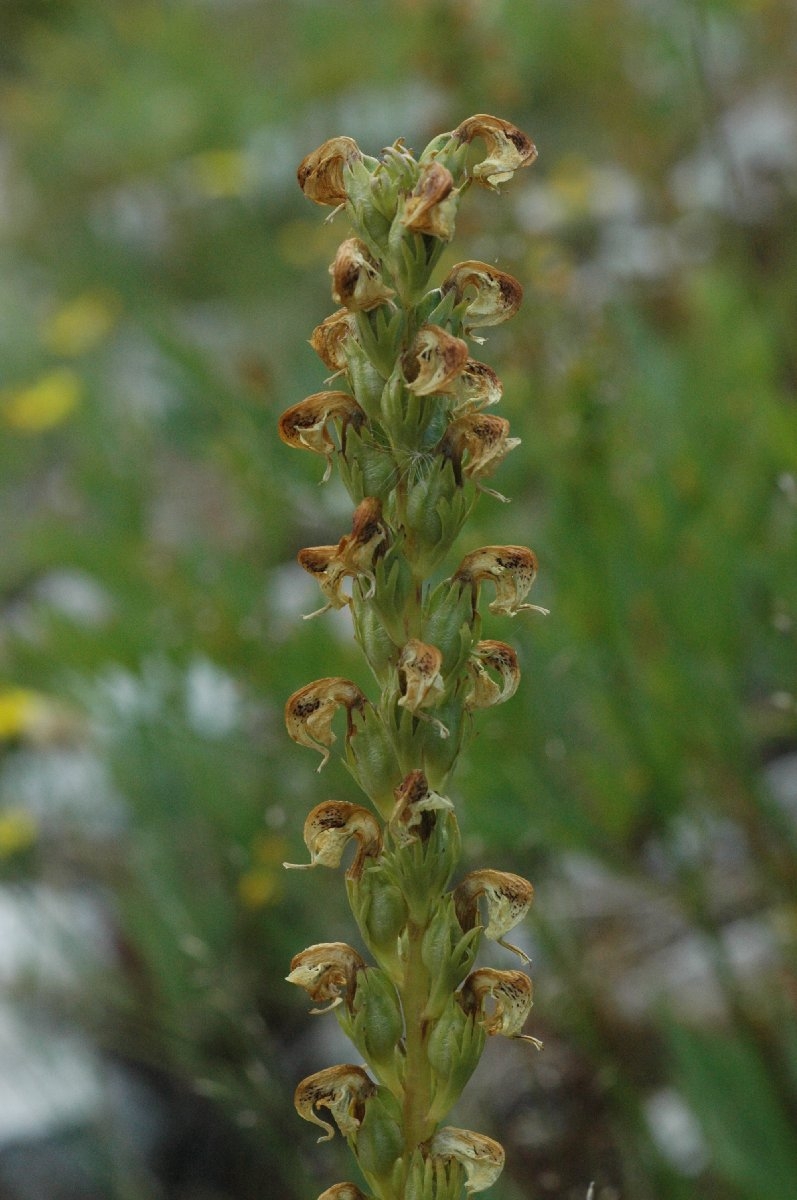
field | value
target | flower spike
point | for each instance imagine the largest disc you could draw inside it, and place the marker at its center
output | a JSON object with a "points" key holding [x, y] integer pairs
{"points": [[309, 712], [327, 971], [481, 1156], [508, 148], [507, 899], [328, 828], [342, 1090]]}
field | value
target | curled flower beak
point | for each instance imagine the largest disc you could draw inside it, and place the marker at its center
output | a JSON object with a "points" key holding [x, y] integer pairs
{"points": [[354, 556], [309, 712], [413, 799], [343, 1191], [328, 828], [478, 387], [507, 899], [431, 207], [496, 296], [482, 1158], [420, 680], [512, 993], [356, 281], [320, 173], [343, 1091], [502, 659], [434, 361], [508, 148], [327, 971], [512, 569], [330, 337], [304, 425], [486, 442]]}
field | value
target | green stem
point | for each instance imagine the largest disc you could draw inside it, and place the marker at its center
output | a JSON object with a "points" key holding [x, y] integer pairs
{"points": [[418, 1079]]}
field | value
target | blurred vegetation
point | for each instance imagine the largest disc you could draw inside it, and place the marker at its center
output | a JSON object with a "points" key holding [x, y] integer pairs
{"points": [[160, 276]]}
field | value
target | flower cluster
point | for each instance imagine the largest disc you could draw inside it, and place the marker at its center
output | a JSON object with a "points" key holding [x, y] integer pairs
{"points": [[406, 425]]}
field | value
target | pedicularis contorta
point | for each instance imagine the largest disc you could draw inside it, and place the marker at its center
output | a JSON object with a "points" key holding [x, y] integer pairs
{"points": [[405, 421]]}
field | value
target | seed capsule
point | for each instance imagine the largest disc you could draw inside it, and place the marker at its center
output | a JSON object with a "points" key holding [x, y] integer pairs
{"points": [[508, 148], [434, 362], [305, 425], [356, 281], [413, 799], [507, 900], [502, 659], [343, 1091], [431, 207], [310, 710], [327, 830], [512, 569], [496, 296], [327, 971], [320, 173], [482, 1158], [512, 992]]}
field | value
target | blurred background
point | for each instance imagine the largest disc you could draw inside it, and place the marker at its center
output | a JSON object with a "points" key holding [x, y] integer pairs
{"points": [[160, 275]]}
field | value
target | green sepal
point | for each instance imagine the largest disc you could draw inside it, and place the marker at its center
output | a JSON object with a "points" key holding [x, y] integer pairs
{"points": [[441, 309], [433, 1179], [372, 636], [366, 382], [412, 258], [371, 759], [363, 207], [366, 467], [449, 151], [454, 1049], [375, 1025], [394, 584], [449, 624], [380, 911], [448, 954], [437, 508], [380, 332], [378, 1142], [438, 755], [422, 869]]}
